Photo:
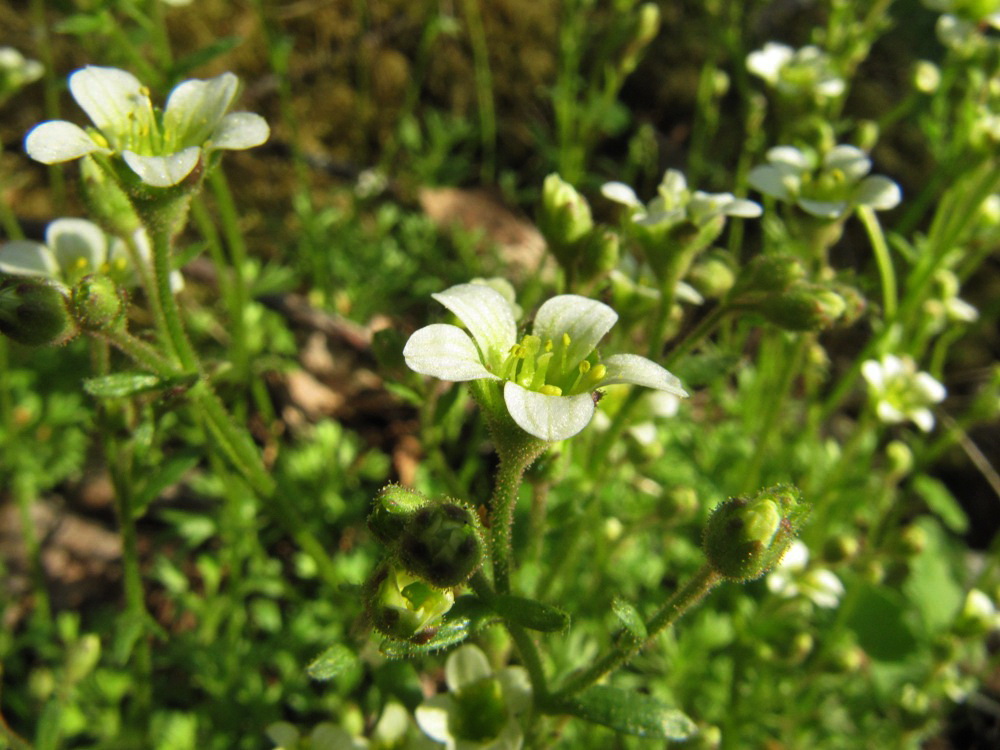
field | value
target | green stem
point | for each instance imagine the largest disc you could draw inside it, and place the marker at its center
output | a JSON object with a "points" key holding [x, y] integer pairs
{"points": [[484, 88], [676, 607], [516, 455], [882, 258], [697, 334], [141, 352], [168, 311], [229, 217]]}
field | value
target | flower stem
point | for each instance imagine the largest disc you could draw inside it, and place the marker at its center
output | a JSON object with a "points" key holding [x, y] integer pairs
{"points": [[683, 600], [516, 455], [159, 236], [885, 269], [141, 352]]}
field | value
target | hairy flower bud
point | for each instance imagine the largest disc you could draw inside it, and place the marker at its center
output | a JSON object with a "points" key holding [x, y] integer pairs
{"points": [[394, 506], [97, 304], [564, 217], [33, 312], [402, 606], [745, 538], [804, 307], [769, 273], [442, 543]]}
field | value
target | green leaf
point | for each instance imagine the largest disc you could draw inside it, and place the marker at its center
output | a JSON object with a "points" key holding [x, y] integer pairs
{"points": [[941, 502], [334, 661], [876, 615], [932, 585], [631, 713], [630, 618], [447, 635], [165, 476], [201, 57], [87, 24], [121, 384], [530, 613]]}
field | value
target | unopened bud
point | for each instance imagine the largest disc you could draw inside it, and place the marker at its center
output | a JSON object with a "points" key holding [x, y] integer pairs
{"points": [[840, 548], [97, 303], [804, 307], [564, 217], [712, 275], [402, 606], [33, 312], [745, 538], [442, 543], [770, 273], [393, 507]]}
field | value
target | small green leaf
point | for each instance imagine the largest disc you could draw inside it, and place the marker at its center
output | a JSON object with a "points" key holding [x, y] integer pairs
{"points": [[530, 613], [205, 55], [334, 661], [630, 618], [121, 384], [631, 713], [165, 476], [447, 635], [878, 617], [941, 502]]}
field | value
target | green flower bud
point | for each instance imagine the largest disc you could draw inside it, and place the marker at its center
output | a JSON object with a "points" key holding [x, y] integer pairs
{"points": [[769, 273], [402, 606], [599, 255], [712, 275], [82, 658], [745, 538], [913, 540], [900, 459], [840, 548], [33, 312], [394, 506], [97, 304], [442, 543], [804, 307], [564, 217]]}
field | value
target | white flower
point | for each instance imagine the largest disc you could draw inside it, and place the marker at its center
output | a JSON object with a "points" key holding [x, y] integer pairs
{"points": [[902, 393], [549, 377], [674, 203], [795, 73], [827, 191], [162, 148], [16, 71], [74, 248], [481, 709], [964, 23], [792, 577]]}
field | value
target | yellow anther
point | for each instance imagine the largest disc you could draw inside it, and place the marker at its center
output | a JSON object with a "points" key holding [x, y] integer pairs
{"points": [[550, 390], [549, 346], [584, 367], [566, 340], [121, 264], [598, 373], [81, 263]]}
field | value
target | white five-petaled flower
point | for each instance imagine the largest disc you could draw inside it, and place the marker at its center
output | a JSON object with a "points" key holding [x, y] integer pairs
{"points": [[793, 577], [162, 148], [901, 392], [806, 71], [481, 708], [829, 190], [674, 203], [74, 248], [548, 376]]}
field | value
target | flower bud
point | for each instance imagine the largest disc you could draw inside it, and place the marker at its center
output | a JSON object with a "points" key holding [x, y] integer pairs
{"points": [[564, 217], [33, 312], [97, 304], [804, 307], [712, 275], [401, 606], [840, 548], [745, 538], [770, 273], [442, 543], [394, 506]]}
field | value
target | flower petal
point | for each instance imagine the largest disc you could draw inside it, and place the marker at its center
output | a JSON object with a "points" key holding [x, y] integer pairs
{"points": [[465, 665], [823, 209], [788, 156], [57, 141], [516, 688], [585, 320], [768, 61], [879, 192], [445, 352], [163, 171], [548, 417], [872, 371], [769, 180], [114, 100], [631, 368], [194, 108], [26, 258], [432, 717], [486, 314], [930, 388], [239, 130], [619, 192], [77, 244], [850, 160]]}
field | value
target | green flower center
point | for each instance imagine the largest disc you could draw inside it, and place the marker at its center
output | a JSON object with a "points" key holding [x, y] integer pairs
{"points": [[830, 185], [544, 367], [481, 712]]}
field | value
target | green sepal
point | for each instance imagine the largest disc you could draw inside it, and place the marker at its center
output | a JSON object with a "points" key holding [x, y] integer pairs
{"points": [[630, 618], [333, 662], [449, 634], [530, 613], [631, 713], [122, 384]]}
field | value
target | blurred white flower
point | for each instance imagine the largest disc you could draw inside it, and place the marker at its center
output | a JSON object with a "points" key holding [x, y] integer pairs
{"points": [[827, 190], [793, 577], [482, 707], [74, 248], [806, 72], [901, 392], [16, 71]]}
